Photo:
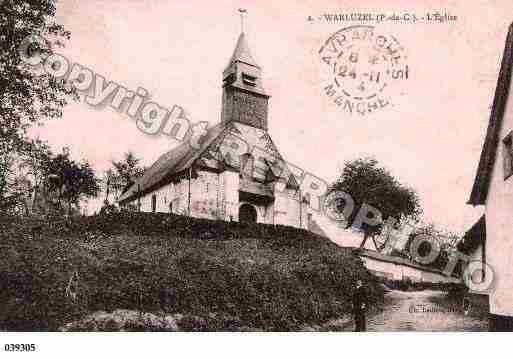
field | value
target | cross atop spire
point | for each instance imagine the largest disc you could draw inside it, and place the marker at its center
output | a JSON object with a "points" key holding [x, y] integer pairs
{"points": [[242, 12], [241, 52]]}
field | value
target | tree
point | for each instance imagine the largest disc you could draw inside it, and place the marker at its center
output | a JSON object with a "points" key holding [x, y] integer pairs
{"points": [[26, 98], [430, 240], [368, 183], [30, 173], [71, 181], [34, 160], [123, 174], [41, 180], [24, 174]]}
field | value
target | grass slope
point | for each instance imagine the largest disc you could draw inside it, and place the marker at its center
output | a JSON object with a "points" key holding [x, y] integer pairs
{"points": [[217, 275]]}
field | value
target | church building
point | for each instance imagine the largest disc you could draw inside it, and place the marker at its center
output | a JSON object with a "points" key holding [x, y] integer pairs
{"points": [[237, 173]]}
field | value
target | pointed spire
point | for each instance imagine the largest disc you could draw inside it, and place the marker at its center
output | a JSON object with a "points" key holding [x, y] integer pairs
{"points": [[244, 98], [242, 53]]}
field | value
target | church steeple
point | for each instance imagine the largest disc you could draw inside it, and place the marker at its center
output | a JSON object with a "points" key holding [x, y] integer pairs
{"points": [[242, 53], [244, 98], [242, 70]]}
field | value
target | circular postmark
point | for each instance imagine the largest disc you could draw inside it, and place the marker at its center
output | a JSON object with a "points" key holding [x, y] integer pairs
{"points": [[361, 67]]}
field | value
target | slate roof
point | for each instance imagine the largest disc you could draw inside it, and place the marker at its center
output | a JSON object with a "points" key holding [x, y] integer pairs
{"points": [[172, 162], [242, 53], [489, 151], [475, 236]]}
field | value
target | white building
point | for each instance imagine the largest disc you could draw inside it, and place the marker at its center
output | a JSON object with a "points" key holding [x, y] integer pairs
{"points": [[401, 269], [237, 173], [493, 188], [473, 245]]}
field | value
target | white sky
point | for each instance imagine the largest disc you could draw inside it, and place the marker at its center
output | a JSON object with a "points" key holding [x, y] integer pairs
{"points": [[177, 50]]}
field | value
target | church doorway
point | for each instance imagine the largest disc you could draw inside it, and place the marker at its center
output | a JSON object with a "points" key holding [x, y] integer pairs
{"points": [[247, 213]]}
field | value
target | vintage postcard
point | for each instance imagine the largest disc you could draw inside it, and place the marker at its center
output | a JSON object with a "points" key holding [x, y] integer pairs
{"points": [[243, 166]]}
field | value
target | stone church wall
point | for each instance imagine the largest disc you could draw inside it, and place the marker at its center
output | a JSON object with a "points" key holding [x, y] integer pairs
{"points": [[205, 201], [287, 209], [230, 195], [163, 198], [216, 196], [213, 196]]}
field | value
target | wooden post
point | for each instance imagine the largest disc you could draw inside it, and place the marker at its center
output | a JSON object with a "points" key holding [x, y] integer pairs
{"points": [[365, 236], [189, 196], [300, 208], [375, 244], [273, 206], [139, 197], [218, 215], [107, 190]]}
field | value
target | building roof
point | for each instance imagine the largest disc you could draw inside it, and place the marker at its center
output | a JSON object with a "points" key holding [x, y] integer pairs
{"points": [[242, 53], [172, 162], [396, 260], [489, 151], [474, 237], [181, 158]]}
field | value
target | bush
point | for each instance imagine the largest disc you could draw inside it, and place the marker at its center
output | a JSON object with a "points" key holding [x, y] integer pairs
{"points": [[238, 277]]}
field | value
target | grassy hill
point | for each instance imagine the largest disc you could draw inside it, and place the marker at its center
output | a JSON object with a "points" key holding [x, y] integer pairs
{"points": [[210, 275]]}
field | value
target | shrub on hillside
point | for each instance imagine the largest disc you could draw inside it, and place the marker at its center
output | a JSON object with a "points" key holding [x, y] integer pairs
{"points": [[241, 277]]}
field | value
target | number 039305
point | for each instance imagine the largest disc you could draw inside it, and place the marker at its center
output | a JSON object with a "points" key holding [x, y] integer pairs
{"points": [[19, 347]]}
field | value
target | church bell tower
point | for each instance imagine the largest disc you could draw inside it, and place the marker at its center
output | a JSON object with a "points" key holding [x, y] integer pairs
{"points": [[244, 98]]}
